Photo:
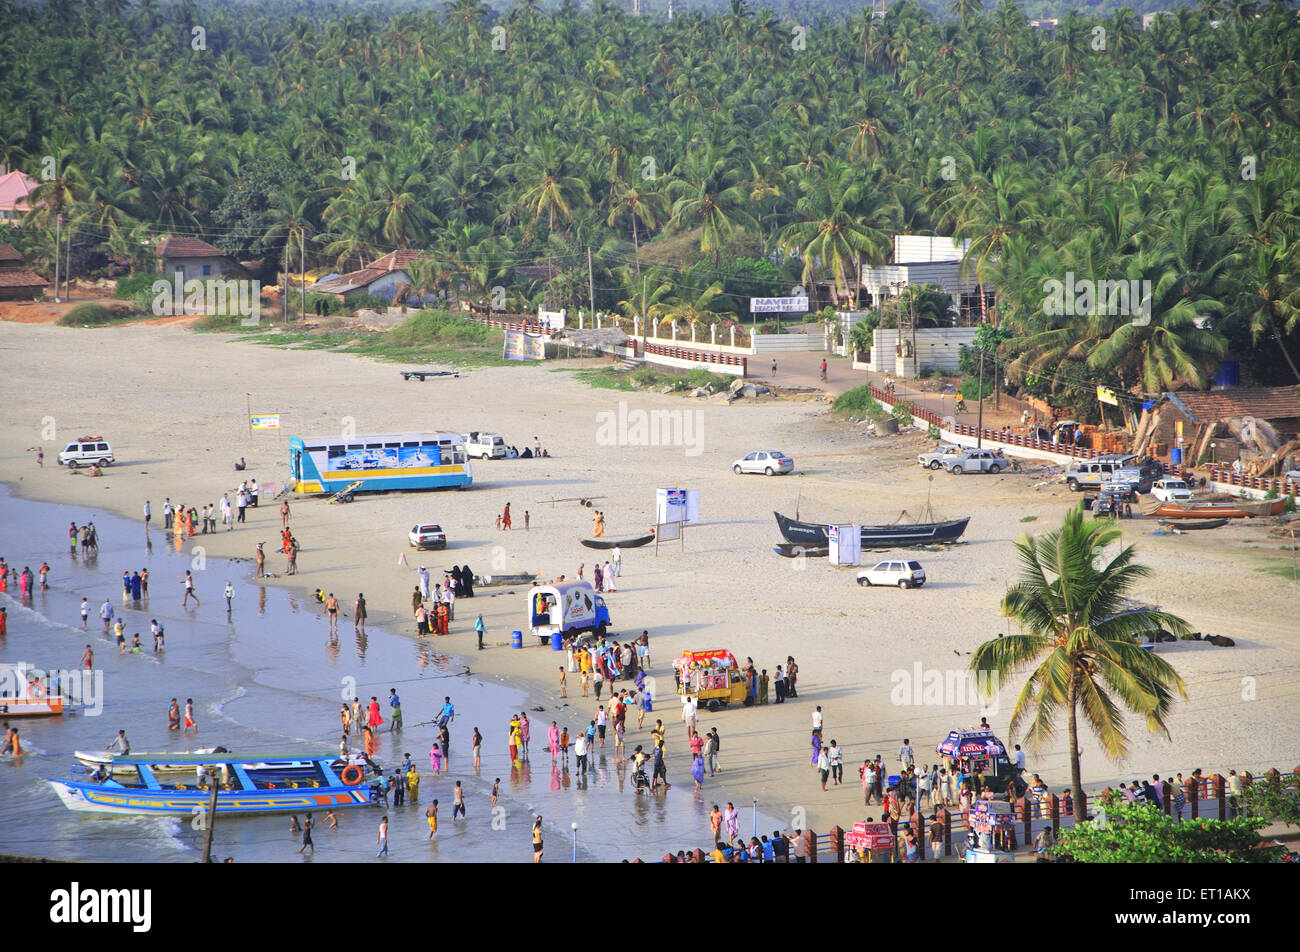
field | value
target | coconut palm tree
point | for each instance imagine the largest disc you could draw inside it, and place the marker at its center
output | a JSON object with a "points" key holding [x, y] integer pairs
{"points": [[1083, 640]]}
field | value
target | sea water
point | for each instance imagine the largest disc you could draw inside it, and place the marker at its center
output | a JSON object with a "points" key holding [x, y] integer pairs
{"points": [[268, 677]]}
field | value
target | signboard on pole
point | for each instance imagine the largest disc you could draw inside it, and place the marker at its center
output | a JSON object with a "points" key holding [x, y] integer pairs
{"points": [[264, 421], [779, 305], [1107, 395], [677, 505], [521, 346]]}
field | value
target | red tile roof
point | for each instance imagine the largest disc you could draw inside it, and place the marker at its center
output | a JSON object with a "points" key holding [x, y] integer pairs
{"points": [[351, 281], [19, 278], [10, 253], [186, 248], [1266, 403]]}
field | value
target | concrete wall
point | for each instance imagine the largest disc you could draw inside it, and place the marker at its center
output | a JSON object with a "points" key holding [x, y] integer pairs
{"points": [[732, 369], [773, 343], [192, 268], [935, 347]]}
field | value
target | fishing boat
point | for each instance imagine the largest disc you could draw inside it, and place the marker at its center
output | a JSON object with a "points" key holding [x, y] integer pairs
{"points": [[519, 578], [1242, 509], [177, 784], [96, 758], [618, 543], [34, 701], [1181, 526], [875, 537], [794, 550]]}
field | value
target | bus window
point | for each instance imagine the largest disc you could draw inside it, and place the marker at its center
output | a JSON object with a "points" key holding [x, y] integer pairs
{"points": [[356, 446], [412, 443], [392, 446], [336, 451], [458, 455], [374, 446], [314, 449]]}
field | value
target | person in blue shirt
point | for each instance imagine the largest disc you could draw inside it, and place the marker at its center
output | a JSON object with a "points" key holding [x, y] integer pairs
{"points": [[447, 714], [769, 851], [395, 704]]}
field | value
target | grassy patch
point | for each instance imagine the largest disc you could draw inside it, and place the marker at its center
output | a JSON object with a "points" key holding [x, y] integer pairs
{"points": [[1028, 518], [647, 377], [95, 315], [859, 402]]}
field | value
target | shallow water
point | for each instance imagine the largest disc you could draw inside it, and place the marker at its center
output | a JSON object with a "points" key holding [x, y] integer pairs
{"points": [[269, 677]]}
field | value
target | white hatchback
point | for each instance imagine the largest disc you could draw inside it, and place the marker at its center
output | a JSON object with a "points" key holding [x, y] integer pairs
{"points": [[427, 536], [904, 574]]}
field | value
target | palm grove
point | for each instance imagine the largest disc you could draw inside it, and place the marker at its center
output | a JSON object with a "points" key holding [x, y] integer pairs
{"points": [[702, 160]]}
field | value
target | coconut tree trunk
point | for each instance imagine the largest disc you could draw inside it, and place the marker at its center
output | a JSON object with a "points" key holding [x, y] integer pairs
{"points": [[1076, 784]]}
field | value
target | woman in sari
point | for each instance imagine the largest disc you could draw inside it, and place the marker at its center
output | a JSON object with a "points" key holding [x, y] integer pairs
{"points": [[374, 720]]}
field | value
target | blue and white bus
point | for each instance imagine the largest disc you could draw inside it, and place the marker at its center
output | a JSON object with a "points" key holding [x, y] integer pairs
{"points": [[381, 462]]}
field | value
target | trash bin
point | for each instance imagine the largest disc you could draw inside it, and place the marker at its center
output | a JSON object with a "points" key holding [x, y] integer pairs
{"points": [[516, 639], [1176, 456], [557, 641]]}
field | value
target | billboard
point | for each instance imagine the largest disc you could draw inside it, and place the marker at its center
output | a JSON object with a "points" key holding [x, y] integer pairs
{"points": [[264, 421], [521, 346], [780, 305]]}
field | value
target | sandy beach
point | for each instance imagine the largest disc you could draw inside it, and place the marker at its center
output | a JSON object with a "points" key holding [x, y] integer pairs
{"points": [[174, 405]]}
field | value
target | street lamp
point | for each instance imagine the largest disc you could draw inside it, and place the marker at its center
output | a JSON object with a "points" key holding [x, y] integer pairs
{"points": [[1212, 459], [575, 841], [756, 816]]}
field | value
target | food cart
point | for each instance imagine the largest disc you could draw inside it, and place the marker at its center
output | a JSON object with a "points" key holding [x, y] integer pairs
{"points": [[713, 676], [978, 752], [995, 825], [873, 842]]}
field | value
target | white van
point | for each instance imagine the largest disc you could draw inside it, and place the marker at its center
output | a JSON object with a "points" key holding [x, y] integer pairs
{"points": [[485, 446], [571, 606], [87, 450]]}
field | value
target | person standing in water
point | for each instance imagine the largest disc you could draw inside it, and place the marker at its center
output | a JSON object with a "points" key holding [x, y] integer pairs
{"points": [[174, 716], [261, 561], [332, 610], [382, 838], [230, 594], [307, 824], [85, 612], [188, 582], [359, 614], [190, 723], [537, 840], [431, 814]]}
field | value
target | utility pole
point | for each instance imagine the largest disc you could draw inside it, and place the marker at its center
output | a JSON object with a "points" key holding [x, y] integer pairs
{"points": [[302, 276], [58, 249], [916, 358], [979, 424], [212, 814], [67, 271], [591, 286], [284, 281]]}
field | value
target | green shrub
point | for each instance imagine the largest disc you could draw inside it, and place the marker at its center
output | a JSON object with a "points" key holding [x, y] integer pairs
{"points": [[859, 401], [425, 328], [1271, 494], [129, 287], [91, 315], [902, 412], [1290, 503], [970, 387], [644, 376], [367, 302], [931, 432]]}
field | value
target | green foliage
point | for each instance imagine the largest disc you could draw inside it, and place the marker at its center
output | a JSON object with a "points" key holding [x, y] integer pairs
{"points": [[441, 329], [131, 286], [931, 432], [1290, 503], [859, 402], [92, 315], [371, 302], [902, 412], [1275, 797], [1139, 833], [970, 387], [1028, 518]]}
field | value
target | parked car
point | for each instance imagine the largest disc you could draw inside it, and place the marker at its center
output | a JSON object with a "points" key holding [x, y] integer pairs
{"points": [[939, 456], [976, 461], [1293, 475], [427, 536], [768, 462], [87, 450], [907, 574], [1171, 490], [1148, 467], [1094, 472]]}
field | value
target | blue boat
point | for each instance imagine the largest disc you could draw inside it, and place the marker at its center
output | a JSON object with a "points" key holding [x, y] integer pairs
{"points": [[180, 784]]}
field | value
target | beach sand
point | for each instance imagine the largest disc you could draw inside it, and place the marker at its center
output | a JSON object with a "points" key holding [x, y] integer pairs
{"points": [[174, 405]]}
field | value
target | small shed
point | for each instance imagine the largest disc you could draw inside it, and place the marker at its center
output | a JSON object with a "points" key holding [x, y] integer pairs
{"points": [[17, 283]]}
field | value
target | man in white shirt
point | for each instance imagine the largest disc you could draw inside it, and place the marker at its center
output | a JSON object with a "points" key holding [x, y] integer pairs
{"points": [[580, 751], [835, 754], [689, 708], [1019, 761], [817, 718], [905, 754], [617, 561]]}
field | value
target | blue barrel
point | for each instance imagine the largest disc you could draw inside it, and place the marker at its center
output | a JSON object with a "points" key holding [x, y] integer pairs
{"points": [[557, 641], [516, 639], [1176, 456]]}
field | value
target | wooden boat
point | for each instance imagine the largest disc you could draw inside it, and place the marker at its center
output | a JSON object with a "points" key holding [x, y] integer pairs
{"points": [[618, 543], [1193, 524], [173, 784], [875, 537], [1208, 510], [793, 550], [1264, 507], [35, 700]]}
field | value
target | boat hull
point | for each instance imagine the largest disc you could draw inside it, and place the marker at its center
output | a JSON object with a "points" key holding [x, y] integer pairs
{"points": [[1205, 510], [875, 537], [618, 543], [31, 707], [1193, 524], [794, 550], [110, 798]]}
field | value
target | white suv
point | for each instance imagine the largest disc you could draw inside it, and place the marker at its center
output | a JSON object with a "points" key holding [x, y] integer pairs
{"points": [[87, 450], [908, 574]]}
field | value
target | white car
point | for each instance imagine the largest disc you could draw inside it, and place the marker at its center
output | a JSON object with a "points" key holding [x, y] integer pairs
{"points": [[1171, 490], [427, 536], [768, 462], [904, 574], [1293, 475], [939, 455]]}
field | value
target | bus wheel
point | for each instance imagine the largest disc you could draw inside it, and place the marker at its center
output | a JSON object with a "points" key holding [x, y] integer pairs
{"points": [[713, 705]]}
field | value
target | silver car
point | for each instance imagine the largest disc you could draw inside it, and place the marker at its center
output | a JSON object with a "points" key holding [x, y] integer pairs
{"points": [[768, 462], [976, 461]]}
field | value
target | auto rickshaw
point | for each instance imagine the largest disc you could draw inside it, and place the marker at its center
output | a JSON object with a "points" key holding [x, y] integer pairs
{"points": [[714, 677]]}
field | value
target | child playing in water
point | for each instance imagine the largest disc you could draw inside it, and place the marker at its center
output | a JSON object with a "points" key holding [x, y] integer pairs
{"points": [[435, 759]]}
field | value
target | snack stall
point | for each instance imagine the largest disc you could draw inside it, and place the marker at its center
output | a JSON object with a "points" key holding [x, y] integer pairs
{"points": [[713, 676], [994, 823], [872, 842], [979, 754]]}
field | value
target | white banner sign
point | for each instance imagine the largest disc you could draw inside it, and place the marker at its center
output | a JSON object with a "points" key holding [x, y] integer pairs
{"points": [[783, 305]]}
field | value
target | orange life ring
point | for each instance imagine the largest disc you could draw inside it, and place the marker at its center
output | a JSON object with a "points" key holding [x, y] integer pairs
{"points": [[352, 775], [36, 690]]}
